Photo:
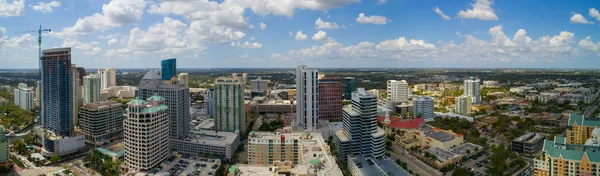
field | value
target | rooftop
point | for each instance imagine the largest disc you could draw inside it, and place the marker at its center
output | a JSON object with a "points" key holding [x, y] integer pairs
{"points": [[211, 137], [462, 149], [396, 122], [389, 167], [101, 105], [436, 133], [441, 154], [529, 138]]}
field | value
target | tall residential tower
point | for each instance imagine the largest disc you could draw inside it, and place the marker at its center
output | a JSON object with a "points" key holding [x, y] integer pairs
{"points": [[397, 91], [229, 104], [307, 99], [57, 91], [471, 88]]}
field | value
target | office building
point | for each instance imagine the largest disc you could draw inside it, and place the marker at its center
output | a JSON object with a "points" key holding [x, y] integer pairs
{"points": [[208, 143], [184, 79], [471, 88], [23, 96], [4, 148], [423, 108], [101, 122], [91, 88], [259, 84], [528, 145], [559, 157], [169, 68], [330, 98], [463, 105], [229, 111], [57, 92], [397, 91], [209, 99], [580, 128], [360, 134], [108, 77], [307, 99], [81, 72], [177, 98], [146, 130], [76, 95], [349, 86]]}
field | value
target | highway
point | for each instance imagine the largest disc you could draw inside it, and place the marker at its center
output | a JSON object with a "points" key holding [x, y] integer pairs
{"points": [[414, 164]]}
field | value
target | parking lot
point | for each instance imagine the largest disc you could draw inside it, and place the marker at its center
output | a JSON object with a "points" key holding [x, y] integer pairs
{"points": [[191, 166], [476, 165]]}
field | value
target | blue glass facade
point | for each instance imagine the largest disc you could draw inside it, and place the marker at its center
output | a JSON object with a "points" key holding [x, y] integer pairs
{"points": [[56, 86], [169, 68]]}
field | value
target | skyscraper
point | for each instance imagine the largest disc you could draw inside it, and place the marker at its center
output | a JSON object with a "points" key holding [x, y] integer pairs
{"points": [[146, 134], [229, 104], [57, 92], [359, 134], [463, 105], [91, 88], [169, 68], [330, 98], [307, 99], [108, 77], [76, 95], [209, 98], [471, 88], [349, 86], [23, 97], [81, 71], [397, 91], [177, 98], [423, 107]]}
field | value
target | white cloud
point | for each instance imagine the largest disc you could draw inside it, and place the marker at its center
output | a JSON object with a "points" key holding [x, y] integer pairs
{"points": [[90, 48], [439, 12], [482, 10], [374, 19], [112, 41], [23, 41], [244, 56], [578, 18], [325, 25], [45, 7], [380, 1], [286, 7], [263, 26], [14, 8], [321, 36], [114, 14], [401, 44], [300, 36], [594, 13], [246, 44]]}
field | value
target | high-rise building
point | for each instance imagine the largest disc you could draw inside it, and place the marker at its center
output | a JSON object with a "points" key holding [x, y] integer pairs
{"points": [[169, 68], [23, 96], [269, 148], [349, 86], [209, 98], [330, 98], [184, 79], [91, 88], [229, 104], [4, 149], [38, 95], [57, 91], [101, 122], [259, 84], [423, 107], [81, 72], [146, 134], [177, 98], [397, 91], [307, 98], [463, 105], [471, 88], [359, 134], [76, 95], [108, 77]]}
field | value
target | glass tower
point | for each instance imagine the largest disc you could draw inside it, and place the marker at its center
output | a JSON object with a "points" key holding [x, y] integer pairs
{"points": [[169, 68], [56, 91]]}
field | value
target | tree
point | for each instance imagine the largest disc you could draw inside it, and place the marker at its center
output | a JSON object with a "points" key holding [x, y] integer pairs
{"points": [[220, 171], [461, 172], [54, 159], [388, 143]]}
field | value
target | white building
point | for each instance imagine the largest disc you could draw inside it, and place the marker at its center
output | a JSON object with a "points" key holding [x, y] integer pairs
{"points": [[471, 88], [423, 107], [374, 92], [208, 143], [397, 91], [490, 83], [91, 89], [121, 91], [108, 77], [463, 105], [184, 79], [307, 85], [23, 96]]}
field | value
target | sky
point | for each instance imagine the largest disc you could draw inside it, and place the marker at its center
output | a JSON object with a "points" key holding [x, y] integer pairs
{"points": [[316, 33]]}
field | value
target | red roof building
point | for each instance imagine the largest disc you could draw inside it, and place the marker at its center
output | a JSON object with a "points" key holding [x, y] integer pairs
{"points": [[398, 123]]}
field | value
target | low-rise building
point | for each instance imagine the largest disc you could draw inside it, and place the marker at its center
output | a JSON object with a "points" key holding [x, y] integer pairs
{"points": [[208, 143], [55, 145], [3, 101], [365, 166], [441, 158], [427, 136], [528, 145]]}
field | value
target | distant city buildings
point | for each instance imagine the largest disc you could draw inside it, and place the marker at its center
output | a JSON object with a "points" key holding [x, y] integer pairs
{"points": [[108, 77], [330, 98], [209, 99], [23, 97], [490, 83], [177, 97], [423, 108], [101, 122], [349, 86], [471, 88], [146, 130], [229, 111], [91, 88], [259, 87], [169, 69], [463, 105], [307, 85], [397, 91], [360, 134], [120, 92]]}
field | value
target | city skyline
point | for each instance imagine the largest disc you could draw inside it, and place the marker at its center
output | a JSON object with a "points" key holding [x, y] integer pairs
{"points": [[345, 33]]}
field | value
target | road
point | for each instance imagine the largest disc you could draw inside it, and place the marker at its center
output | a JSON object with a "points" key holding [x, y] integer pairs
{"points": [[41, 170], [588, 112], [414, 164]]}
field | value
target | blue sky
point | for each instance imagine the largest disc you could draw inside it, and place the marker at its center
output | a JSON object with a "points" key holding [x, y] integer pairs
{"points": [[285, 33]]}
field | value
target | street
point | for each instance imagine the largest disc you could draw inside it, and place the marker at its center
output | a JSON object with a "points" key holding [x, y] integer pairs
{"points": [[414, 164]]}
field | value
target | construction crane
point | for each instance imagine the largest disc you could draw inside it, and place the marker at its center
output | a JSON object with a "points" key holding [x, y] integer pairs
{"points": [[39, 31]]}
